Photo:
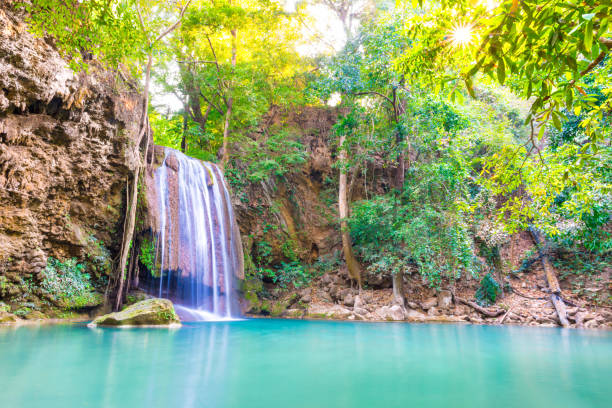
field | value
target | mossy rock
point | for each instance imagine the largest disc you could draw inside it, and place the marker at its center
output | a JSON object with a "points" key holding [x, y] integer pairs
{"points": [[8, 318], [273, 308], [88, 300], [36, 315], [150, 312], [135, 297]]}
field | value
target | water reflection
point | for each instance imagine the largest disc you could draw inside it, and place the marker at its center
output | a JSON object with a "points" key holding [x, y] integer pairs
{"points": [[303, 364]]}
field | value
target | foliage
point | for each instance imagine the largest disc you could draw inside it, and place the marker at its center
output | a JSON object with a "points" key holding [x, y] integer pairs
{"points": [[289, 273], [276, 155], [100, 29], [542, 51], [169, 131], [68, 283], [487, 292], [499, 112], [147, 256]]}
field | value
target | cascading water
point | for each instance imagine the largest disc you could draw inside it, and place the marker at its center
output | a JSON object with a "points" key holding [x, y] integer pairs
{"points": [[198, 248]]}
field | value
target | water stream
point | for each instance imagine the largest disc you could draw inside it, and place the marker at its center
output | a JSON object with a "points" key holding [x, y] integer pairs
{"points": [[197, 243]]}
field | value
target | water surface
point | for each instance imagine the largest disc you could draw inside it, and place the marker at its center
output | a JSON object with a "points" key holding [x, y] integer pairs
{"points": [[284, 363]]}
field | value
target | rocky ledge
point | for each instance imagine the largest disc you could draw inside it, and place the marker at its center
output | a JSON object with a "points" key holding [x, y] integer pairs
{"points": [[330, 297], [150, 312]]}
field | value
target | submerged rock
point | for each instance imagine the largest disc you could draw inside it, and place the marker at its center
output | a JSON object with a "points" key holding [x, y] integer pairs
{"points": [[150, 312]]}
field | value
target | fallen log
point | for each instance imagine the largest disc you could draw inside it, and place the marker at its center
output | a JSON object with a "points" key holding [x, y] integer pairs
{"points": [[551, 278], [480, 309]]}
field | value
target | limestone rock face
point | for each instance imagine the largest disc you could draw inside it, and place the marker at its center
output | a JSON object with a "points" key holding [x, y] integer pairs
{"points": [[445, 299], [415, 316], [429, 303], [66, 150], [150, 312], [326, 310], [394, 312]]}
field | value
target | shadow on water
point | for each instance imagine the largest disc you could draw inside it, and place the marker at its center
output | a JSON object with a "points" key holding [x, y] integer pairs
{"points": [[283, 363]]}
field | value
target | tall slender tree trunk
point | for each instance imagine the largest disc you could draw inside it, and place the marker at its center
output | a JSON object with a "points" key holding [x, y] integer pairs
{"points": [[352, 264], [230, 103], [398, 278], [130, 219], [185, 123], [551, 277]]}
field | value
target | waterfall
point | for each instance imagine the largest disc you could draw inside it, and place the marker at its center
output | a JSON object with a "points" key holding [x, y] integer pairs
{"points": [[198, 249]]}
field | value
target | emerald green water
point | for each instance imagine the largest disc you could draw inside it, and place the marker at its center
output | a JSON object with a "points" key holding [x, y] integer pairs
{"points": [[283, 363]]}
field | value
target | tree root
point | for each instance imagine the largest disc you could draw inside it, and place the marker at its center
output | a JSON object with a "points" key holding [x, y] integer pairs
{"points": [[501, 321], [521, 294], [479, 309]]}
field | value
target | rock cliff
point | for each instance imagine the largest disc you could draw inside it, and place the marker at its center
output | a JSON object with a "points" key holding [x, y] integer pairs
{"points": [[66, 149]]}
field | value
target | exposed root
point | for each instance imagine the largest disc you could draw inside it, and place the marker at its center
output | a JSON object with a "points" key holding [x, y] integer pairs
{"points": [[479, 309]]}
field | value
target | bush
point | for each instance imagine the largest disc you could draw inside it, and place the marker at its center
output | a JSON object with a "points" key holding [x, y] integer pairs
{"points": [[488, 291], [391, 233], [147, 256], [68, 284]]}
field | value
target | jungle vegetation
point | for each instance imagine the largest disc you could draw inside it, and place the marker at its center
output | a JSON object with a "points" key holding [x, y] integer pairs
{"points": [[492, 116]]}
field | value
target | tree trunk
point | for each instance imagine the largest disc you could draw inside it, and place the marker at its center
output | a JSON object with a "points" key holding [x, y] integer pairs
{"points": [[398, 278], [398, 288], [127, 237], [195, 107], [130, 220], [352, 264], [185, 122], [228, 112], [228, 115], [482, 310], [551, 277]]}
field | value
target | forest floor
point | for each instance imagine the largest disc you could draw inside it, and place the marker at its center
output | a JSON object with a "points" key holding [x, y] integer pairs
{"points": [[528, 303]]}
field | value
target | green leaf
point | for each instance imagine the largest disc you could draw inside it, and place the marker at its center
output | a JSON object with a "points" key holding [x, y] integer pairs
{"points": [[501, 71], [542, 130], [588, 36], [569, 98], [556, 121]]}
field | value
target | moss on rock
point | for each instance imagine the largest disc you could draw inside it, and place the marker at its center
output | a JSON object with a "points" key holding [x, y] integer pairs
{"points": [[7, 318], [150, 312]]}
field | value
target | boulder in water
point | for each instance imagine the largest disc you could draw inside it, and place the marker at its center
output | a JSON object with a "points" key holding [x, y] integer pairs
{"points": [[150, 312]]}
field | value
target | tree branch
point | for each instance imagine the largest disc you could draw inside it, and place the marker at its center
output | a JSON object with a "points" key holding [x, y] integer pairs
{"points": [[173, 26], [376, 93]]}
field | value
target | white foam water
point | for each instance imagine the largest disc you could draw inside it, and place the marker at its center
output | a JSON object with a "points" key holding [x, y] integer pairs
{"points": [[196, 238]]}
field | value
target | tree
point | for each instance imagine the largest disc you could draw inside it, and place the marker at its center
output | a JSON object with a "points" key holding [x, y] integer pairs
{"points": [[154, 34], [253, 70]]}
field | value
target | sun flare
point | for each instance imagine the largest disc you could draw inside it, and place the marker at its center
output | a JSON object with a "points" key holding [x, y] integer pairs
{"points": [[462, 35]]}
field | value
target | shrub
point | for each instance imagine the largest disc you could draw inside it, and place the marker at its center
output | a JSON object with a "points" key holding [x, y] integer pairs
{"points": [[68, 284], [487, 293], [147, 256]]}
